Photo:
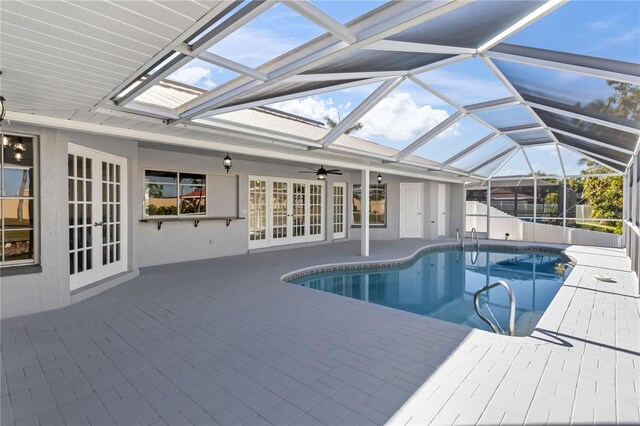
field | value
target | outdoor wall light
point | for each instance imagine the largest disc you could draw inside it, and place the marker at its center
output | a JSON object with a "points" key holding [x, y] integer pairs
{"points": [[227, 163], [18, 150], [379, 178], [3, 110]]}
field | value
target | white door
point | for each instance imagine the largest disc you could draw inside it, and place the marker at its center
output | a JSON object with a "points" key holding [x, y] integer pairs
{"points": [[339, 210], [410, 210], [442, 212], [285, 211], [280, 212], [316, 215], [299, 212], [97, 215], [258, 222]]}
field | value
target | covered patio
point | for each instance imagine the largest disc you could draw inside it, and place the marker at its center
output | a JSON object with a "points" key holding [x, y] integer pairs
{"points": [[175, 346], [169, 168]]}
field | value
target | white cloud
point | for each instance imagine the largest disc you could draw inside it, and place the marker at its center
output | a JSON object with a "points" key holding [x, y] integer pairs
{"points": [[398, 118], [242, 46], [312, 107], [631, 37], [605, 24], [194, 76]]}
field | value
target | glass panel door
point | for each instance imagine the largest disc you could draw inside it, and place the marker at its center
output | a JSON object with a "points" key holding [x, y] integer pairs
{"points": [[299, 212], [339, 211], [280, 212], [316, 205], [97, 211], [257, 213], [80, 184], [111, 213]]}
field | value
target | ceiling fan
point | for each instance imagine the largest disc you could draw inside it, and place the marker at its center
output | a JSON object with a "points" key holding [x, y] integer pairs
{"points": [[322, 173]]}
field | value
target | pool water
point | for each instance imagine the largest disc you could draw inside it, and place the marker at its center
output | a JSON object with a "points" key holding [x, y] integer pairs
{"points": [[441, 284]]}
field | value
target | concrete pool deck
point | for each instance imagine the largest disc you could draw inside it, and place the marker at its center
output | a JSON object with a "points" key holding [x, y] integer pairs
{"points": [[224, 341]]}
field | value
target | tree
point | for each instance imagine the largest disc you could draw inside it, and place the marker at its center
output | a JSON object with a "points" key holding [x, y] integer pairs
{"points": [[624, 101], [604, 194], [331, 123]]}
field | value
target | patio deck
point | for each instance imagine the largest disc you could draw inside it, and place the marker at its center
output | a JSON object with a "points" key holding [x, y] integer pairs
{"points": [[225, 341]]}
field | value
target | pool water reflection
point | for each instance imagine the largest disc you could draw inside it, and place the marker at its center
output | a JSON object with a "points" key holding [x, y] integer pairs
{"points": [[441, 285]]}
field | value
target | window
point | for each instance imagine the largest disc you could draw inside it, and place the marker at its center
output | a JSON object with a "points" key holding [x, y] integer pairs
{"points": [[17, 199], [174, 193], [377, 205]]}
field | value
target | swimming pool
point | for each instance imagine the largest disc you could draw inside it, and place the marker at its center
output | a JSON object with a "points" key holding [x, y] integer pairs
{"points": [[441, 284]]}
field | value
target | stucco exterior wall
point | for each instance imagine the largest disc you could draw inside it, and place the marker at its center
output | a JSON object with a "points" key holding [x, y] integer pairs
{"points": [[175, 241]]}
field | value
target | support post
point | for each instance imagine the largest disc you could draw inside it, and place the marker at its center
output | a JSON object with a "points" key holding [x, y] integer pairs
{"points": [[364, 213], [535, 207], [564, 210], [489, 210]]}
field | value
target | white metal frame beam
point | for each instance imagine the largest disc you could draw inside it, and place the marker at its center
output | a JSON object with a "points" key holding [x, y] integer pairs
{"points": [[361, 110], [464, 110], [542, 58], [470, 149], [589, 157], [386, 24], [317, 16], [497, 103], [592, 141], [220, 61], [494, 158], [291, 96], [434, 132], [506, 160], [234, 22], [405, 46], [583, 117], [507, 84], [543, 10]]}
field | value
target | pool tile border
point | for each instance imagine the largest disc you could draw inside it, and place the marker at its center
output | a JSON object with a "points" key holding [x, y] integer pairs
{"points": [[394, 263]]}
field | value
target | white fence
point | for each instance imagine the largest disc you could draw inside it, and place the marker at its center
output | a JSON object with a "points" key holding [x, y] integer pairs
{"points": [[518, 229]]}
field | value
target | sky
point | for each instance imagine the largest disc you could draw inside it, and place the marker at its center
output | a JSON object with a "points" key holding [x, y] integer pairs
{"points": [[608, 29]]}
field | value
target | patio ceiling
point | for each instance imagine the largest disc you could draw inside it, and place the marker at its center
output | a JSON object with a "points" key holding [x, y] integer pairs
{"points": [[375, 58]]}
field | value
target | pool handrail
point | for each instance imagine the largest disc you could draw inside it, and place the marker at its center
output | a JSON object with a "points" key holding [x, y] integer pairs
{"points": [[475, 233], [512, 306], [475, 259], [460, 237]]}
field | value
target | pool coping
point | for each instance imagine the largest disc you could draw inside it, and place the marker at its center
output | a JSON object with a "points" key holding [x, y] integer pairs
{"points": [[550, 320]]}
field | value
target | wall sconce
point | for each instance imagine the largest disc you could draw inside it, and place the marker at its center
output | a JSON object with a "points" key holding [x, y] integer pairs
{"points": [[227, 163], [379, 178], [3, 110], [18, 150]]}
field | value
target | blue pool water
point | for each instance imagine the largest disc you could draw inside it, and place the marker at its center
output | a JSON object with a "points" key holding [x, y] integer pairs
{"points": [[441, 284]]}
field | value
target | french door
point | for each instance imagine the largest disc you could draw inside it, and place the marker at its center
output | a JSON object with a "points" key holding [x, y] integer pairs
{"points": [[339, 210], [97, 215], [289, 211]]}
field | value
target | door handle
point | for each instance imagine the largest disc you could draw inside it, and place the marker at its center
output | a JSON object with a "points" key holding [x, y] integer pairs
{"points": [[98, 224]]}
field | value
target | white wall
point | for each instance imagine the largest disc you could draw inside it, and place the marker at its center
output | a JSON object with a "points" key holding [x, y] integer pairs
{"points": [[175, 241], [49, 289]]}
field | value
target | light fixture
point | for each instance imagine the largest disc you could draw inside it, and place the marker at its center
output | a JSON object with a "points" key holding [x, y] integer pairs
{"points": [[379, 178], [3, 110], [227, 163], [321, 174], [18, 150], [6, 141]]}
